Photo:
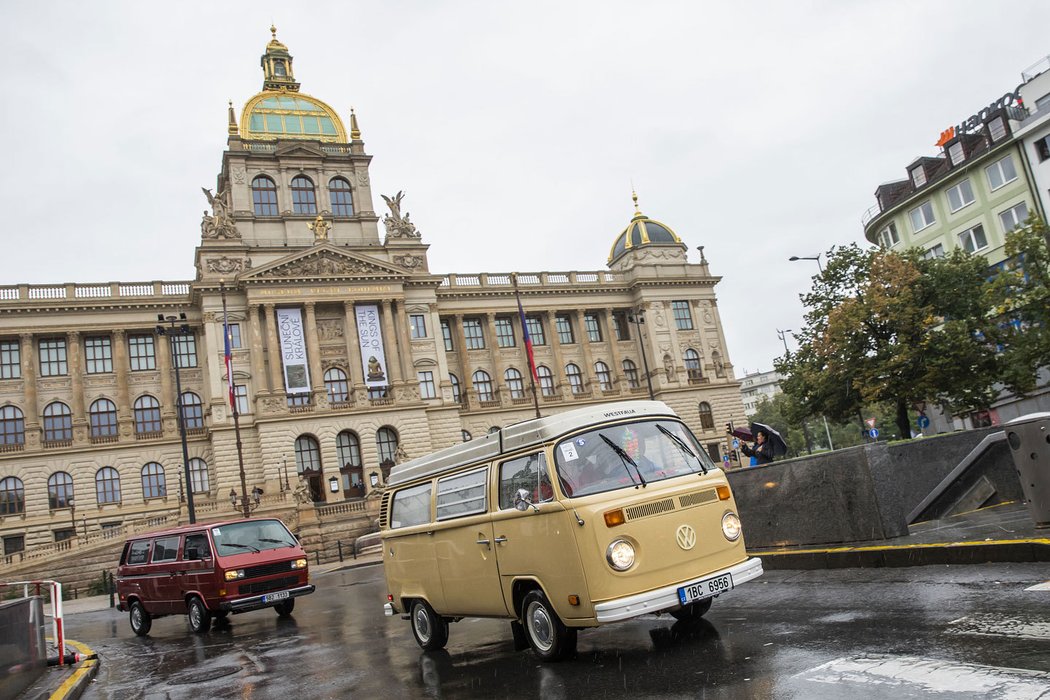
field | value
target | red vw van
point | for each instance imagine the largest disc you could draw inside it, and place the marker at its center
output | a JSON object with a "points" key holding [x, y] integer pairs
{"points": [[210, 571]]}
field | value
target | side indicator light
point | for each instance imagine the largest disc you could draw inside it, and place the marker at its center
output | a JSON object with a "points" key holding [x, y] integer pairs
{"points": [[389, 598], [574, 600], [723, 493], [614, 518]]}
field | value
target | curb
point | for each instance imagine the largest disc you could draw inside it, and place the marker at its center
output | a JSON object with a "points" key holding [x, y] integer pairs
{"points": [[889, 556], [352, 565], [74, 686]]}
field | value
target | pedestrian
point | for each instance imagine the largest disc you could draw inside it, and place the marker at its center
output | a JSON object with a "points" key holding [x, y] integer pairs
{"points": [[761, 452]]}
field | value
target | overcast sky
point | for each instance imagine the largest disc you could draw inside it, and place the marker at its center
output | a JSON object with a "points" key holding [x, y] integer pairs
{"points": [[759, 130]]}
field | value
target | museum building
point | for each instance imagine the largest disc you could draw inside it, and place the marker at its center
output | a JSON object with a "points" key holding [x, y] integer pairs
{"points": [[347, 354]]}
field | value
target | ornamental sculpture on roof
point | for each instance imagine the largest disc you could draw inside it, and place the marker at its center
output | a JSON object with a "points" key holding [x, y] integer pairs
{"points": [[398, 226], [320, 228], [220, 224]]}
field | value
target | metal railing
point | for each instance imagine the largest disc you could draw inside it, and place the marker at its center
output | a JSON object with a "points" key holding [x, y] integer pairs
{"points": [[112, 290]]}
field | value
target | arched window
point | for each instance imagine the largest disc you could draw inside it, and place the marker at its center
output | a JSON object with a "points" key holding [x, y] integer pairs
{"points": [[630, 371], [572, 373], [59, 490], [348, 449], [546, 380], [465, 434], [153, 482], [601, 371], [103, 418], [386, 445], [483, 385], [12, 496], [336, 385], [707, 419], [341, 196], [199, 479], [264, 196], [456, 396], [12, 426], [307, 455], [107, 485], [192, 411], [514, 383], [147, 415], [304, 200], [58, 422], [692, 365]]}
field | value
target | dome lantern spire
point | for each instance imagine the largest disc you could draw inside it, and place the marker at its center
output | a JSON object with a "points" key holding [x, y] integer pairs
{"points": [[232, 127], [277, 66]]}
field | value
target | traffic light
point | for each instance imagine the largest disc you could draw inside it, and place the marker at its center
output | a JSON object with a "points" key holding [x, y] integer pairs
{"points": [[729, 428]]}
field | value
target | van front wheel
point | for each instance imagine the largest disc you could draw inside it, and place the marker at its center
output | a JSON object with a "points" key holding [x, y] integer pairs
{"points": [[200, 618], [140, 619], [429, 628], [548, 636]]}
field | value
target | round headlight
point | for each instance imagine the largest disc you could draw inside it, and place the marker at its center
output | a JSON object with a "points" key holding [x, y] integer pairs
{"points": [[620, 555], [731, 526]]}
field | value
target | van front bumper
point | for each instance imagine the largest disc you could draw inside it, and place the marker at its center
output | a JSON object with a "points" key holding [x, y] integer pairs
{"points": [[666, 598], [259, 601]]}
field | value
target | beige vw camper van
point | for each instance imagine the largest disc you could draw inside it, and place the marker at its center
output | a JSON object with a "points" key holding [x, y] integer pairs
{"points": [[575, 520]]}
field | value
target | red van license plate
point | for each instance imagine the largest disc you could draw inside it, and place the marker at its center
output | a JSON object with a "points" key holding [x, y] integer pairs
{"points": [[274, 597], [693, 592]]}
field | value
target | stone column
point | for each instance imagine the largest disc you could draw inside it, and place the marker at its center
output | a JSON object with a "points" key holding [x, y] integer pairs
{"points": [[313, 354], [389, 342], [274, 353], [559, 361], [585, 345], [214, 354], [122, 369], [76, 373], [403, 341], [614, 349], [32, 408], [497, 361], [353, 349], [466, 385], [165, 365], [255, 347]]}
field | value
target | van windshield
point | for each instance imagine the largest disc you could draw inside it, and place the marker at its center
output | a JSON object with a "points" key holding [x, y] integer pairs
{"points": [[627, 455], [251, 536]]}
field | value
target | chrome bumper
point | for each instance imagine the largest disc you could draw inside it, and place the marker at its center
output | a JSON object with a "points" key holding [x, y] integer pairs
{"points": [[388, 610], [667, 597], [257, 601]]}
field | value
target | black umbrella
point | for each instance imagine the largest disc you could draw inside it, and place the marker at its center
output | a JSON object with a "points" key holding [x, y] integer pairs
{"points": [[780, 447]]}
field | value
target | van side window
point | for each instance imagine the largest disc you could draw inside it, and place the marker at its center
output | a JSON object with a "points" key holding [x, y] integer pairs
{"points": [[529, 473], [166, 549], [139, 553], [196, 547], [463, 494], [411, 507]]}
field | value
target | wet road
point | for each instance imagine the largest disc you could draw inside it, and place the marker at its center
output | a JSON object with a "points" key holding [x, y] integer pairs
{"points": [[945, 632]]}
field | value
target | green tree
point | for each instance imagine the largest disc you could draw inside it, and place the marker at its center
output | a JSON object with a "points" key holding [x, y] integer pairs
{"points": [[893, 328]]}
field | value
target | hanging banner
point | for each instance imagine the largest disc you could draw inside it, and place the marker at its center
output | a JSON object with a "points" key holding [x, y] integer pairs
{"points": [[293, 351], [370, 337]]}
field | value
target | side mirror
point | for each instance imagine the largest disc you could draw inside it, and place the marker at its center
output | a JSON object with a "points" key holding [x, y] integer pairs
{"points": [[523, 499]]}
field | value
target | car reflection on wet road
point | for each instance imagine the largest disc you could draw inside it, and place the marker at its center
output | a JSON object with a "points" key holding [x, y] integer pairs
{"points": [[973, 631]]}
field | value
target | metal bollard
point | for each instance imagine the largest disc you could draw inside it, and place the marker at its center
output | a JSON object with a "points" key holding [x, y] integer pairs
{"points": [[318, 553], [112, 589], [355, 549], [340, 544]]}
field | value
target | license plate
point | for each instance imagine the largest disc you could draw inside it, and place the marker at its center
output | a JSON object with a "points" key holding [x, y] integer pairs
{"points": [[706, 588], [274, 597]]}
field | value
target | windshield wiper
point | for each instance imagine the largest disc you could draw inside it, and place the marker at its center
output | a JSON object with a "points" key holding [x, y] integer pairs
{"points": [[239, 546], [624, 459], [267, 539], [681, 443]]}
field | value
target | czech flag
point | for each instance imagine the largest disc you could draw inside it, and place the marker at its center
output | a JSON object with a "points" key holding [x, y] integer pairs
{"points": [[528, 342], [228, 357]]}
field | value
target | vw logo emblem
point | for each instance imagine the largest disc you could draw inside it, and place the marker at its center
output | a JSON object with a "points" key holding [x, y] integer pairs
{"points": [[686, 537]]}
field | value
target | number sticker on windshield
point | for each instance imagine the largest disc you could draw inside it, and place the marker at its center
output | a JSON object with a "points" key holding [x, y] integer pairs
{"points": [[568, 452]]}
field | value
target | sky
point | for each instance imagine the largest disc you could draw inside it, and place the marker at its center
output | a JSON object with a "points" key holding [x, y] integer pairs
{"points": [[758, 130]]}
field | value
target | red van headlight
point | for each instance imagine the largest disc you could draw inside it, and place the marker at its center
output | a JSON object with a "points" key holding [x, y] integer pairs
{"points": [[234, 574], [299, 564]]}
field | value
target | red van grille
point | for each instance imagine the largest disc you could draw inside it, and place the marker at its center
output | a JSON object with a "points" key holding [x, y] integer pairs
{"points": [[267, 569], [264, 586]]}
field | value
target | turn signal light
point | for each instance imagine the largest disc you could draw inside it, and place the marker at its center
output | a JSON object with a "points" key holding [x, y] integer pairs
{"points": [[723, 493], [614, 518], [574, 600]]}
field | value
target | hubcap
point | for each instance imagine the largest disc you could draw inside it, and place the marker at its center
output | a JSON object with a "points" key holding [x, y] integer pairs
{"points": [[195, 615], [136, 617], [422, 624], [540, 626]]}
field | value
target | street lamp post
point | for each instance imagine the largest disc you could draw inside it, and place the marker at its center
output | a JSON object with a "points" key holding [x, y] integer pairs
{"points": [[793, 258], [172, 331], [782, 334], [638, 319]]}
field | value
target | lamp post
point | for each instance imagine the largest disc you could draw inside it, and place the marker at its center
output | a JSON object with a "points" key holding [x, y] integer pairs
{"points": [[793, 258], [284, 466], [638, 319], [172, 331], [73, 515], [782, 334]]}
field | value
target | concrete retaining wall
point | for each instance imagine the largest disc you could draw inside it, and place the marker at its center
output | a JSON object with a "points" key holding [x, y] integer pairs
{"points": [[857, 494]]}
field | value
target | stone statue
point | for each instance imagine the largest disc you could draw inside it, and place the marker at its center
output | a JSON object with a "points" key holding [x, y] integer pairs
{"points": [[220, 224], [320, 227], [302, 491], [375, 370], [394, 204], [397, 224], [220, 205]]}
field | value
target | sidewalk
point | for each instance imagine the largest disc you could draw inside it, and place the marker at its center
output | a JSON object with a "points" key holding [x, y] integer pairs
{"points": [[1002, 533]]}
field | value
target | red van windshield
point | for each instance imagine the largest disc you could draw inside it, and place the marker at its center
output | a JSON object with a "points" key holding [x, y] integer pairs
{"points": [[251, 536]]}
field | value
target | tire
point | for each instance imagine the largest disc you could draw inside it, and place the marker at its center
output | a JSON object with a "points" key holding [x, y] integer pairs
{"points": [[693, 611], [285, 607], [200, 618], [429, 628], [548, 636], [141, 621]]}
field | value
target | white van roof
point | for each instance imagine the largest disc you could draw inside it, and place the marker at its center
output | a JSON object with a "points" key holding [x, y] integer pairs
{"points": [[521, 435]]}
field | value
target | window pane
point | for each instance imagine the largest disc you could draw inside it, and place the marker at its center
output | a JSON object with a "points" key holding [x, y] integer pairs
{"points": [[339, 193], [410, 507], [505, 332], [98, 355], [264, 196], [472, 334], [141, 353], [683, 318], [462, 494], [304, 201], [418, 325]]}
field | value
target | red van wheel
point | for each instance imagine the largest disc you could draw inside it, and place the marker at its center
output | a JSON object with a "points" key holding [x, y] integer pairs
{"points": [[140, 619], [200, 618]]}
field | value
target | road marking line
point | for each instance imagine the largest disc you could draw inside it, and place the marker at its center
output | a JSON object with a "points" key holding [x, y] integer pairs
{"points": [[1039, 587], [991, 625], [931, 675]]}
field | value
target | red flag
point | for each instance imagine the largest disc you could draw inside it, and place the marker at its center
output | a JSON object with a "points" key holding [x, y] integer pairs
{"points": [[528, 342]]}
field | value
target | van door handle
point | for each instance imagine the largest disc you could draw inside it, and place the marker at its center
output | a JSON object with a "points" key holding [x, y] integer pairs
{"points": [[501, 539], [485, 542]]}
